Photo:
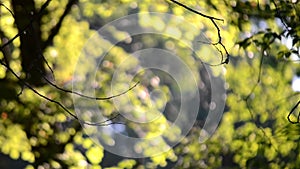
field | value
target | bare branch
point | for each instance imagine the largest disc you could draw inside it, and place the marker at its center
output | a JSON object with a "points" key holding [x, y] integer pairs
{"points": [[54, 32], [1, 4], [213, 20], [90, 97], [194, 11], [27, 26], [49, 67], [44, 6], [291, 112], [104, 123]]}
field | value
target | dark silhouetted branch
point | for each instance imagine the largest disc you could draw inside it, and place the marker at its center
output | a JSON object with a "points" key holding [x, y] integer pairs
{"points": [[292, 111], [54, 31], [194, 11], [103, 123], [89, 97], [24, 83], [213, 20], [1, 4]]}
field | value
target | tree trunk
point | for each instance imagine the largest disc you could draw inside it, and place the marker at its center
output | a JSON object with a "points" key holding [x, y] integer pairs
{"points": [[30, 38]]}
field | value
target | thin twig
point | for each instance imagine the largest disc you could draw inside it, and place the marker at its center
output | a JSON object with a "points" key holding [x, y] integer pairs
{"points": [[25, 84], [291, 112], [197, 12], [54, 101], [86, 96], [49, 67], [27, 26], [2, 4], [213, 20]]}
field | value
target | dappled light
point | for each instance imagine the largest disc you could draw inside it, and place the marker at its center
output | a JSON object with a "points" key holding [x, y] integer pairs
{"points": [[149, 84]]}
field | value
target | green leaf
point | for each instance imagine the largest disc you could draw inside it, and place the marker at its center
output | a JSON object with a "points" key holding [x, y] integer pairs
{"points": [[95, 154]]}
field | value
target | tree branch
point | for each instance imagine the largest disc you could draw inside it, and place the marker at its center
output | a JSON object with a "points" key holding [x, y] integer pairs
{"points": [[103, 123], [27, 26], [54, 32], [213, 20], [194, 11], [291, 112], [86, 96], [6, 51], [57, 27], [2, 4]]}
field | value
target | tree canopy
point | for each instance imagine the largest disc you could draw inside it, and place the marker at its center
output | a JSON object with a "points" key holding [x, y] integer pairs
{"points": [[77, 75]]}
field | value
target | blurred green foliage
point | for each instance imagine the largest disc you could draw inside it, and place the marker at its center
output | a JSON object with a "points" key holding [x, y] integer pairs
{"points": [[262, 38]]}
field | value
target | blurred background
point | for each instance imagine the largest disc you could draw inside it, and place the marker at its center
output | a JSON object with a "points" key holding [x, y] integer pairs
{"points": [[41, 45]]}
